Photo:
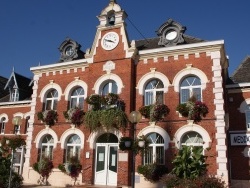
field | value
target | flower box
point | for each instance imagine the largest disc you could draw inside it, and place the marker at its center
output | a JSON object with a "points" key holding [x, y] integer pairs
{"points": [[48, 117], [74, 116], [193, 109]]}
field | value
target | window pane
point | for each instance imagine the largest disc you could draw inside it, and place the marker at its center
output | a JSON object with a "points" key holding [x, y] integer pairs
{"points": [[160, 155], [148, 98], [148, 157], [48, 105], [197, 93], [73, 102], [159, 97]]}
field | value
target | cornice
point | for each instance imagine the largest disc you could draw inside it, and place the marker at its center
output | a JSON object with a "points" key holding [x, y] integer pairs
{"points": [[82, 64], [182, 49]]}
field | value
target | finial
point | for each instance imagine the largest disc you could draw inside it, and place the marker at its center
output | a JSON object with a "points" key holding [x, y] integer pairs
{"points": [[112, 1], [13, 69]]}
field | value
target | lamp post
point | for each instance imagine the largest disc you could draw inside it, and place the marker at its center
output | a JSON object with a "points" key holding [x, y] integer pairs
{"points": [[134, 118]]}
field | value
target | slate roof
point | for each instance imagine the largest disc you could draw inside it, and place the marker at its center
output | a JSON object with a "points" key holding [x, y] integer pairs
{"points": [[152, 43], [23, 84], [3, 82], [242, 73]]}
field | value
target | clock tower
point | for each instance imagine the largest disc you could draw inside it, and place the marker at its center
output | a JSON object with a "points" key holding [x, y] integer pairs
{"points": [[111, 37]]}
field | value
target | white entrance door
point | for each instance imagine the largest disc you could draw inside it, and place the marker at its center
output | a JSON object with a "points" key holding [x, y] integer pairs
{"points": [[106, 164]]}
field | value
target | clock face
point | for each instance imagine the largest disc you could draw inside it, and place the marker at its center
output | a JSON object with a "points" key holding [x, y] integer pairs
{"points": [[69, 51], [110, 41], [171, 35]]}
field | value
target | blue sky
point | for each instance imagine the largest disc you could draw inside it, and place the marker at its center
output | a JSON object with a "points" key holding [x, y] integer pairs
{"points": [[32, 30]]}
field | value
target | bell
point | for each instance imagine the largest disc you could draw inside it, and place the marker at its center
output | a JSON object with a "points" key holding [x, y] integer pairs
{"points": [[112, 20]]}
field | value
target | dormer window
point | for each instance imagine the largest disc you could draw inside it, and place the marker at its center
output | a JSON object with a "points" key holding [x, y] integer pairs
{"points": [[14, 95]]}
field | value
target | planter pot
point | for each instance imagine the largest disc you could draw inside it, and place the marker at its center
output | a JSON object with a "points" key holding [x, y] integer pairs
{"points": [[127, 143], [141, 143]]}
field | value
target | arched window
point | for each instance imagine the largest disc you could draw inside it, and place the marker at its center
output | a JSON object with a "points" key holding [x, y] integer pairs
{"points": [[190, 86], [153, 92], [156, 152], [47, 147], [51, 100], [109, 86], [192, 138], [2, 125], [77, 98], [73, 147]]}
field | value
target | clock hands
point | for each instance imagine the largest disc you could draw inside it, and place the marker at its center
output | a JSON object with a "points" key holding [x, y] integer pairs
{"points": [[108, 40]]}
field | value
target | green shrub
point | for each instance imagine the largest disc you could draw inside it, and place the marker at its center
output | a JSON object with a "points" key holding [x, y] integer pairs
{"points": [[152, 172]]}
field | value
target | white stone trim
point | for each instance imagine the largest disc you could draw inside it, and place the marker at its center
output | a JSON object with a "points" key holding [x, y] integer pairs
{"points": [[73, 85], [18, 114], [219, 113], [47, 88], [44, 132], [191, 127], [94, 135], [152, 74], [5, 116], [106, 77], [70, 132], [159, 130], [189, 71]]}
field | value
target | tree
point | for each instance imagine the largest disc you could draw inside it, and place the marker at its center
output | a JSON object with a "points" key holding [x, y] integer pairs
{"points": [[8, 145]]}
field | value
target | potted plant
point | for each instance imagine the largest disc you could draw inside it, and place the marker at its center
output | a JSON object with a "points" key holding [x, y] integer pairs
{"points": [[125, 143], [95, 101], [72, 168], [74, 115], [193, 109], [155, 112], [44, 168], [152, 172], [49, 117]]}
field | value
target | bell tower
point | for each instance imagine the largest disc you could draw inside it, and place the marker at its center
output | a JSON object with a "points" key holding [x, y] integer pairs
{"points": [[112, 15]]}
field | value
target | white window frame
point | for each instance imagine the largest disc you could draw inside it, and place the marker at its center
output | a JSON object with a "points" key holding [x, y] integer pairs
{"points": [[15, 95], [110, 84], [77, 97], [191, 87], [52, 99], [193, 143], [49, 146], [76, 146], [154, 91], [153, 145]]}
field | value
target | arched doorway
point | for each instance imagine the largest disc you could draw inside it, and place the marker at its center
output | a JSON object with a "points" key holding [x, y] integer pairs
{"points": [[106, 160]]}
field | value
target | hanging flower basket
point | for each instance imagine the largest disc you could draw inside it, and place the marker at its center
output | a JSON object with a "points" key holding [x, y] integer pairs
{"points": [[155, 112], [74, 115], [141, 145], [125, 143], [193, 109], [49, 117]]}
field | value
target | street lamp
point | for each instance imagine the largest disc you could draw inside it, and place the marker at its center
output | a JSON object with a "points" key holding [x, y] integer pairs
{"points": [[134, 118]]}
